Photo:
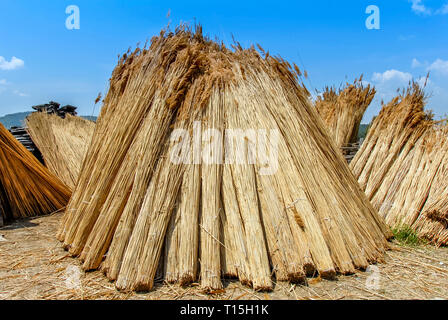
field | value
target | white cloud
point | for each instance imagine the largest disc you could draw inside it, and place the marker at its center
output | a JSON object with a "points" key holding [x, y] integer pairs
{"points": [[443, 10], [419, 8], [365, 83], [416, 63], [424, 82], [11, 65], [440, 66], [392, 75], [386, 84], [20, 94], [4, 84]]}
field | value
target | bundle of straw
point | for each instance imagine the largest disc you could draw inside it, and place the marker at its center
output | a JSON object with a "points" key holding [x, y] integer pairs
{"points": [[62, 142], [402, 166], [342, 110], [137, 210], [27, 188], [432, 223]]}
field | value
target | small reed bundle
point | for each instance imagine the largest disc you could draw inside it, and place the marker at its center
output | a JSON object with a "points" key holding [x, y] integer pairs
{"points": [[27, 188], [191, 205], [342, 110], [402, 166], [432, 223], [62, 142]]}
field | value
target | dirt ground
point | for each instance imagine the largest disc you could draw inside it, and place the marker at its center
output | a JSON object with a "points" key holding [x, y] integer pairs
{"points": [[33, 265]]}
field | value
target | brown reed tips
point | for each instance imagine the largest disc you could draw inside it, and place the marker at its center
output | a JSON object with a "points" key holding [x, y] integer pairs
{"points": [[208, 163], [62, 142], [403, 166], [342, 110], [27, 188]]}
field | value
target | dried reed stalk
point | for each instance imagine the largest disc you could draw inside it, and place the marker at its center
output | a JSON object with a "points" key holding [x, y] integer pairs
{"points": [[136, 212], [283, 250], [235, 244], [321, 171], [432, 223], [402, 166], [210, 242], [27, 188], [342, 110], [182, 242], [62, 142], [244, 182]]}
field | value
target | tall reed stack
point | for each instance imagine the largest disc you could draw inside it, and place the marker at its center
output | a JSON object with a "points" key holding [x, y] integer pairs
{"points": [[160, 192], [342, 110], [403, 166], [27, 188], [62, 142]]}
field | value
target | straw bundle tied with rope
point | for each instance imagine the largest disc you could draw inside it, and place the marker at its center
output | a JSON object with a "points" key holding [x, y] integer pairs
{"points": [[342, 110], [403, 166], [62, 142], [27, 188], [169, 185]]}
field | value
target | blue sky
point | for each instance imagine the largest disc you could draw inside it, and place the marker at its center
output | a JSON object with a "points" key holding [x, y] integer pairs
{"points": [[41, 60]]}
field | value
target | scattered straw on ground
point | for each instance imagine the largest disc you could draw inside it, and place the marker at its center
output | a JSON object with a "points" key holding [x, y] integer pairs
{"points": [[34, 266]]}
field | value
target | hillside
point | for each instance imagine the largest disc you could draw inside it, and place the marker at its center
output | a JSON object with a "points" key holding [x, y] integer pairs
{"points": [[14, 119], [91, 118], [18, 119], [362, 133]]}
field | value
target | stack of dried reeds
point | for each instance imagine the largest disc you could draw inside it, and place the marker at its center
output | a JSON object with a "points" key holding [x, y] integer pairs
{"points": [[156, 195], [342, 110], [62, 142], [402, 166], [432, 223], [27, 188]]}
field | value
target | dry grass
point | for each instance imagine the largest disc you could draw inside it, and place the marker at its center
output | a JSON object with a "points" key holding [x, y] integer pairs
{"points": [[34, 266], [62, 142], [27, 188], [403, 168]]}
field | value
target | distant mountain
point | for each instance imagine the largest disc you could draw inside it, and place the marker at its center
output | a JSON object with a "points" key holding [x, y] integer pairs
{"points": [[14, 119], [362, 133], [91, 118], [18, 119]]}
